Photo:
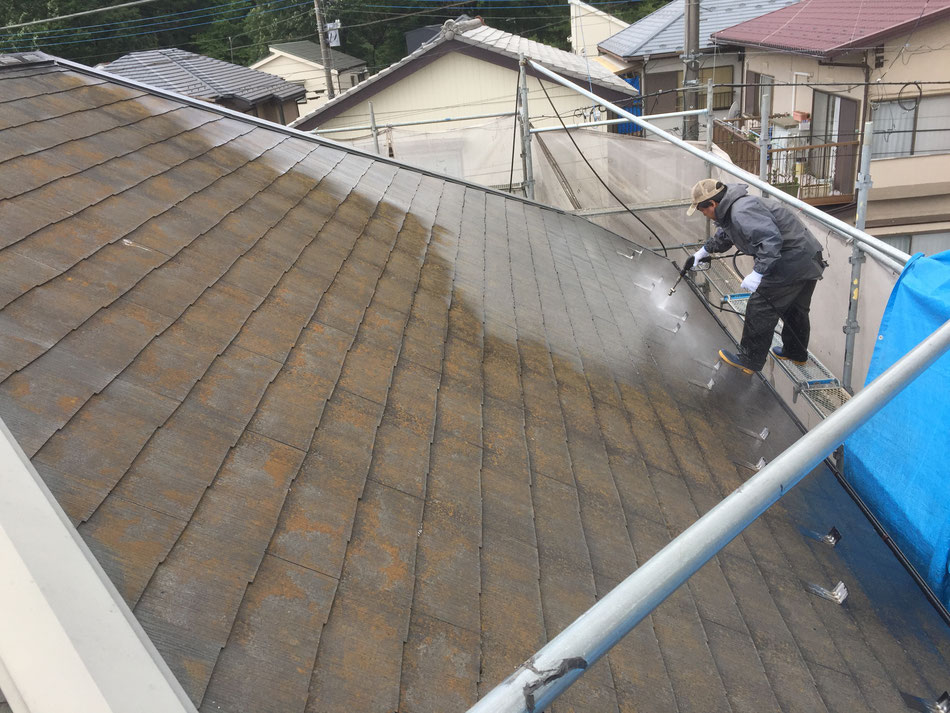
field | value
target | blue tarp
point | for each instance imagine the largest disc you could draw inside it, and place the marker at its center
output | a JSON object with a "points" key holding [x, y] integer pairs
{"points": [[899, 461]]}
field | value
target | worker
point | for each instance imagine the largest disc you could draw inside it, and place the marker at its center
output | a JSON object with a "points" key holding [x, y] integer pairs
{"points": [[787, 265]]}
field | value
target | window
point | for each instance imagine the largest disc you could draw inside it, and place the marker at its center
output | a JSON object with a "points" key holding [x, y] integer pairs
{"points": [[927, 243], [753, 97], [911, 127], [893, 129], [722, 97]]}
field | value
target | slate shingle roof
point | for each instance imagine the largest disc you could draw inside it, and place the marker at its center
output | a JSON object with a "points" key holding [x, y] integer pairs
{"points": [[351, 437], [201, 77], [828, 27], [661, 32]]}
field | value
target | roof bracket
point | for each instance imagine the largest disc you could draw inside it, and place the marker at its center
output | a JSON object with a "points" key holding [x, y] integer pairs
{"points": [[836, 595], [761, 435], [633, 256], [941, 705], [758, 466], [703, 385], [714, 366], [832, 538]]}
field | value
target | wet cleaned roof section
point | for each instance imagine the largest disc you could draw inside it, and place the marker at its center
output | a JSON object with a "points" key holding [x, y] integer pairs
{"points": [[661, 32], [827, 27], [350, 437], [201, 77]]}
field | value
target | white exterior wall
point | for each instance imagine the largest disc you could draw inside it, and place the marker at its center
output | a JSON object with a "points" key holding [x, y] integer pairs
{"points": [[310, 75], [456, 85], [589, 27]]}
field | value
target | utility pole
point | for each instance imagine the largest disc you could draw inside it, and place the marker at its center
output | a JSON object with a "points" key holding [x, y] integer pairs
{"points": [[324, 51], [691, 70]]}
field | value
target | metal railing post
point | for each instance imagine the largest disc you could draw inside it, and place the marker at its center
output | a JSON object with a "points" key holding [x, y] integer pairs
{"points": [[525, 131], [710, 127], [888, 254], [851, 326], [543, 677], [765, 105], [373, 128]]}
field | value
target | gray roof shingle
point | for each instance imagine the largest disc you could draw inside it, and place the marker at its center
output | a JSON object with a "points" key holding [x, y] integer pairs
{"points": [[351, 437], [201, 77], [661, 32]]}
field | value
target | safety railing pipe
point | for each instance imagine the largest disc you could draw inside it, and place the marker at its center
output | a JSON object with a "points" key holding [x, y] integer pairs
{"points": [[609, 122], [543, 677], [838, 226], [851, 326], [421, 122]]}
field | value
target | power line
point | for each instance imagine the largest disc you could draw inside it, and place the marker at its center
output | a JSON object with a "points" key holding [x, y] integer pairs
{"points": [[77, 14], [141, 19]]}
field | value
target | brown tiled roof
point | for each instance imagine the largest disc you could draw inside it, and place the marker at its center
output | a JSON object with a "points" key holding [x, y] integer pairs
{"points": [[351, 437], [827, 27]]}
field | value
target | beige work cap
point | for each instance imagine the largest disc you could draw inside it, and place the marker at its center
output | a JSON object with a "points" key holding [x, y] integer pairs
{"points": [[703, 191]]}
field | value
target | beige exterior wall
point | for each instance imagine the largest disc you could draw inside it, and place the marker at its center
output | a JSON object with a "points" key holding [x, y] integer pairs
{"points": [[310, 75], [456, 85], [589, 27], [909, 193], [798, 69]]}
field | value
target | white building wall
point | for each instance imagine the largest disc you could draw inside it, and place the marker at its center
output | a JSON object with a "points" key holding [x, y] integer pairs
{"points": [[458, 85], [590, 27], [310, 75]]}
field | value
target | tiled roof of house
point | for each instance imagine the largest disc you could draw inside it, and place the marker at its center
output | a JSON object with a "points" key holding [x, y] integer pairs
{"points": [[351, 437], [310, 51], [661, 32], [827, 27], [474, 33], [201, 77]]}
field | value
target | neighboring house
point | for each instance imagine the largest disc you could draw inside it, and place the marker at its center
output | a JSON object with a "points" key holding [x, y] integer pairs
{"points": [[652, 50], [468, 69], [302, 62], [347, 436], [867, 60], [230, 85], [590, 27]]}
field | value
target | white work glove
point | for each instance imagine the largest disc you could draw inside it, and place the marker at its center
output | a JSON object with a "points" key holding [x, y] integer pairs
{"points": [[751, 281], [700, 254]]}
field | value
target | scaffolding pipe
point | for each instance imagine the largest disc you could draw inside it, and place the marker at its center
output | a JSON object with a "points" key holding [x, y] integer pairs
{"points": [[607, 122], [526, 160], [543, 677], [829, 221], [412, 123], [765, 107], [372, 124], [851, 326]]}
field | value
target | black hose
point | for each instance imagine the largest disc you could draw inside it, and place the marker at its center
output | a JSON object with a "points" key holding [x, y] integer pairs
{"points": [[597, 175]]}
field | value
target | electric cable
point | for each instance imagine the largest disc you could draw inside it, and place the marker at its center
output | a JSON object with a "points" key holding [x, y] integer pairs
{"points": [[597, 175]]}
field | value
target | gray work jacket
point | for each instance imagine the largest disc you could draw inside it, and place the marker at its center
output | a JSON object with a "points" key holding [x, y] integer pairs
{"points": [[783, 249]]}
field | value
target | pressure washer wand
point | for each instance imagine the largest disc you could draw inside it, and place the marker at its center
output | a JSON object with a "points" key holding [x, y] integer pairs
{"points": [[678, 279]]}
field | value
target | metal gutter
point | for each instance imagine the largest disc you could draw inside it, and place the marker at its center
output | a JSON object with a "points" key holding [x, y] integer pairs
{"points": [[69, 642], [547, 674], [874, 246]]}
